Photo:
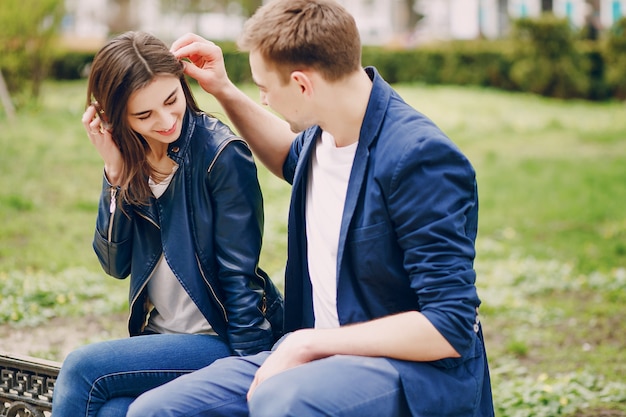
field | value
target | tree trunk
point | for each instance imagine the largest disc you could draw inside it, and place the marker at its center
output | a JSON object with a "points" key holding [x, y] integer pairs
{"points": [[5, 97]]}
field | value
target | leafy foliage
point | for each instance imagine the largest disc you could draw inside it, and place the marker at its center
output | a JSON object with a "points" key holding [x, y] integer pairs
{"points": [[519, 394], [548, 62], [616, 58], [31, 298], [27, 29]]}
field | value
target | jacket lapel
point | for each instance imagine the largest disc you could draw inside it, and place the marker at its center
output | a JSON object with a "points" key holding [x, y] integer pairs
{"points": [[372, 122]]}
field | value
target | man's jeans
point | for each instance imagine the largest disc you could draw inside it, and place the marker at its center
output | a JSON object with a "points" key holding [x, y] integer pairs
{"points": [[102, 379], [335, 386]]}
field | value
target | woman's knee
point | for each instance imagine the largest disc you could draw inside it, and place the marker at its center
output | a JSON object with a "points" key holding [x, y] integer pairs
{"points": [[76, 364]]}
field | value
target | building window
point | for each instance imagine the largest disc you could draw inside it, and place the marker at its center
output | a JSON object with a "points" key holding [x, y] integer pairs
{"points": [[546, 6], [617, 10]]}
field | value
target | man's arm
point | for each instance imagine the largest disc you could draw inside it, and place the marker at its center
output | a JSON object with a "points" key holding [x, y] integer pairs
{"points": [[269, 136], [407, 336]]}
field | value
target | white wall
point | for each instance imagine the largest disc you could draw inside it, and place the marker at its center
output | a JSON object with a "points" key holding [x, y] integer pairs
{"points": [[464, 19], [611, 10]]}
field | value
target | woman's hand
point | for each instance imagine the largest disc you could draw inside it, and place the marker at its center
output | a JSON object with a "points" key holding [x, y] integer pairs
{"points": [[102, 139]]}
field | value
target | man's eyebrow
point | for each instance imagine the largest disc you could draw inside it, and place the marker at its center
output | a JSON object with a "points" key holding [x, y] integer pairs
{"points": [[172, 94]]}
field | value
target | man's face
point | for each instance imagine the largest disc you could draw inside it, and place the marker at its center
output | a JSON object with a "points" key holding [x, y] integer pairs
{"points": [[286, 99]]}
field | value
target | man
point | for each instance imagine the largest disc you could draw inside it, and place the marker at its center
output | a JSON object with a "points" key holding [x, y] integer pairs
{"points": [[380, 295]]}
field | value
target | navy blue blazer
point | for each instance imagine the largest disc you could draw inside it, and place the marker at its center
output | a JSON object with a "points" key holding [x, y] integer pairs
{"points": [[407, 243]]}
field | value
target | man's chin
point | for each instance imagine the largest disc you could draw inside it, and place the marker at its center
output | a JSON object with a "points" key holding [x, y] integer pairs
{"points": [[298, 128]]}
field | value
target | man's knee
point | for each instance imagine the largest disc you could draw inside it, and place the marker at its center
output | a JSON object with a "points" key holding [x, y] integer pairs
{"points": [[276, 399], [146, 406]]}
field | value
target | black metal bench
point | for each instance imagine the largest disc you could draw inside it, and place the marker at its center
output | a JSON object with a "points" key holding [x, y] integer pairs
{"points": [[26, 385]]}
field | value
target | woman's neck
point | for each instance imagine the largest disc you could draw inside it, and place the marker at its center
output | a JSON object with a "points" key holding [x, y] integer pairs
{"points": [[160, 163]]}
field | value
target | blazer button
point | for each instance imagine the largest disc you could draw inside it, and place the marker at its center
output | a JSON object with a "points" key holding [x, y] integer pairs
{"points": [[175, 149]]}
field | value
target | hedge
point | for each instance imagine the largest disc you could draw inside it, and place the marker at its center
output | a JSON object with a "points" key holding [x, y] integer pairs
{"points": [[543, 56]]}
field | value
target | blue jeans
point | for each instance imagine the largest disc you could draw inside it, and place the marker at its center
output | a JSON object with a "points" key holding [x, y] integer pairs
{"points": [[336, 386], [102, 379]]}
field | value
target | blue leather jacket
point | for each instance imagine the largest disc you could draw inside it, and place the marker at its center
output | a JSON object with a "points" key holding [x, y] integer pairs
{"points": [[209, 225]]}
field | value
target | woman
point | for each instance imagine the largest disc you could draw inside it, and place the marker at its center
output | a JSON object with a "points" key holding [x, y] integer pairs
{"points": [[181, 212]]}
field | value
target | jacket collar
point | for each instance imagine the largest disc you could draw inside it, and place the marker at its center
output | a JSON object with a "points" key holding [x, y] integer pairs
{"points": [[372, 122], [177, 149], [376, 108]]}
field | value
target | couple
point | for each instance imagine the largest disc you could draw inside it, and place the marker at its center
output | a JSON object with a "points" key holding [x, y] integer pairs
{"points": [[380, 309]]}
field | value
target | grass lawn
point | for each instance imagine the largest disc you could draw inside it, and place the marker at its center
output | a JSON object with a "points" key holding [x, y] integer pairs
{"points": [[551, 247]]}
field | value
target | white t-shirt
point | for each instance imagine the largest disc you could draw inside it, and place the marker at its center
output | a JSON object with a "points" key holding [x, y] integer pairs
{"points": [[329, 173], [174, 311]]}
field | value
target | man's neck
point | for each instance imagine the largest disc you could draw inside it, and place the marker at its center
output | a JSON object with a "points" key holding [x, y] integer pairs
{"points": [[345, 104]]}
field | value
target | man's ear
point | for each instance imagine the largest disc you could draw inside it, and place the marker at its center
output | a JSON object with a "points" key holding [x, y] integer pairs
{"points": [[304, 81]]}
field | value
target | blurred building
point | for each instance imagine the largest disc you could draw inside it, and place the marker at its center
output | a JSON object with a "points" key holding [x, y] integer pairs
{"points": [[381, 22], [470, 19]]}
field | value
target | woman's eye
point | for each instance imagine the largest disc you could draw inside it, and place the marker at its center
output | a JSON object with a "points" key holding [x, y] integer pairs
{"points": [[144, 117], [169, 103]]}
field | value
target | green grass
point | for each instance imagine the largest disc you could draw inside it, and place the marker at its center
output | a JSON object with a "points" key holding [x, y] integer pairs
{"points": [[551, 247]]}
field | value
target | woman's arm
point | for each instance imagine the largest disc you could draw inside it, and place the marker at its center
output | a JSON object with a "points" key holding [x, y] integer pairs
{"points": [[112, 240], [238, 225]]}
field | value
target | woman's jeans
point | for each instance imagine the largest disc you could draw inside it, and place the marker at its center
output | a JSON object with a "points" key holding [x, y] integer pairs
{"points": [[102, 379]]}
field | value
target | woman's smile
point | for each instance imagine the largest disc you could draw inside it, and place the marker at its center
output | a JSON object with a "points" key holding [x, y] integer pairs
{"points": [[169, 131]]}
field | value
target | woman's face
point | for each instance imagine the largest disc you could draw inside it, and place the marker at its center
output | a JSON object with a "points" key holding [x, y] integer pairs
{"points": [[157, 110]]}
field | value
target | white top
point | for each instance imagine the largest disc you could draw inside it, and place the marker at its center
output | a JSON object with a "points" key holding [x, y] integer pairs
{"points": [[329, 173], [174, 311]]}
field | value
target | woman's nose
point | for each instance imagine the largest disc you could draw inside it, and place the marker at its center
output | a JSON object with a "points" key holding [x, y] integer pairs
{"points": [[165, 120]]}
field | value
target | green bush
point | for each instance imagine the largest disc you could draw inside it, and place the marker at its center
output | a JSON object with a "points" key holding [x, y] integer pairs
{"points": [[615, 53], [25, 39], [546, 60], [71, 65], [544, 56]]}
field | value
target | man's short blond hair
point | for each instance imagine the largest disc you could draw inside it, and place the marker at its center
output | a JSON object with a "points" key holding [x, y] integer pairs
{"points": [[304, 34]]}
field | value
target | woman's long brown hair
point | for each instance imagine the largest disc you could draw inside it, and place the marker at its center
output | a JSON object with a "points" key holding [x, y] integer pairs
{"points": [[125, 64]]}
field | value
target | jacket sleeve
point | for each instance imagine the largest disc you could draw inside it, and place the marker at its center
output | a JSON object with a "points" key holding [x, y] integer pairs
{"points": [[238, 207], [434, 206], [113, 236]]}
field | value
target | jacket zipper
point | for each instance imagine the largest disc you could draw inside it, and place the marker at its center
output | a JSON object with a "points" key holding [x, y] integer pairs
{"points": [[112, 206], [264, 299], [211, 288], [149, 219], [130, 310]]}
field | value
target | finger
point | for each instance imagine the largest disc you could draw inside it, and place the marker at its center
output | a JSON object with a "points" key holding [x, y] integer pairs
{"points": [[196, 51], [192, 70], [88, 116], [188, 44], [184, 40], [95, 126]]}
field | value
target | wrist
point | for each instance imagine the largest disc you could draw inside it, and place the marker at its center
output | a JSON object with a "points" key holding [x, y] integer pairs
{"points": [[227, 92], [112, 175]]}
